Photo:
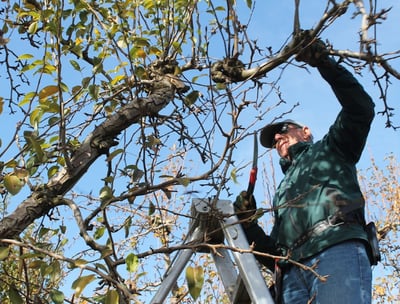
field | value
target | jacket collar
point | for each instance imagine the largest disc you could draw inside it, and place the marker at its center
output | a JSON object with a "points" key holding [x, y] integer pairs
{"points": [[294, 152]]}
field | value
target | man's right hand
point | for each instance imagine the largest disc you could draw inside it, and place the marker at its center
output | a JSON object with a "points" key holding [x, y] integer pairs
{"points": [[245, 207], [246, 210]]}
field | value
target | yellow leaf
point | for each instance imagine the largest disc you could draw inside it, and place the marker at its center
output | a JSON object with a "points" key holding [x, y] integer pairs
{"points": [[33, 27], [117, 79], [195, 280], [78, 41], [154, 51], [233, 176], [380, 290], [80, 283], [4, 251], [48, 91], [141, 53], [112, 297]]}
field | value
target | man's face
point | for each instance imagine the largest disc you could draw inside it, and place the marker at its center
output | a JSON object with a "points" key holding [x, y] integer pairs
{"points": [[288, 135]]}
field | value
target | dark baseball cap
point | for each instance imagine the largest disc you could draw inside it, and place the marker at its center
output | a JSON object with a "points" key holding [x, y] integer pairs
{"points": [[268, 132]]}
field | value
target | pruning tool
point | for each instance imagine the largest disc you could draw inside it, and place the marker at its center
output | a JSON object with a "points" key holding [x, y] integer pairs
{"points": [[253, 171]]}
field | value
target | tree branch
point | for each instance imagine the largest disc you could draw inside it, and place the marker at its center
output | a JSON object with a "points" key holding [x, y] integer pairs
{"points": [[96, 144]]}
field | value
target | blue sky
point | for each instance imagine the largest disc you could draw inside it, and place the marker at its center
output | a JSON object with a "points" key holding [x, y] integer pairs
{"points": [[271, 25]]}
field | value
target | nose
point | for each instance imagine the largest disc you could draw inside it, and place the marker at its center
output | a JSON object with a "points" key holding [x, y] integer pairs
{"points": [[277, 137]]}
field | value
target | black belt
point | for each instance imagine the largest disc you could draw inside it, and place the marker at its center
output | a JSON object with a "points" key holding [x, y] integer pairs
{"points": [[336, 219], [318, 228]]}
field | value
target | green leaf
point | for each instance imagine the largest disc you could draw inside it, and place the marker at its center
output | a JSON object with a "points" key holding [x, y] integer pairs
{"points": [[191, 98], [43, 231], [75, 65], [101, 266], [52, 121], [99, 233], [139, 41], [112, 297], [195, 280], [94, 91], [106, 252], [114, 153], [80, 262], [4, 251], [34, 142], [137, 52], [77, 263], [127, 226], [86, 81], [152, 208], [14, 295], [184, 181], [80, 283], [220, 8], [63, 229], [154, 51], [195, 78], [36, 264], [52, 171], [57, 296], [132, 262], [105, 194], [220, 86]]}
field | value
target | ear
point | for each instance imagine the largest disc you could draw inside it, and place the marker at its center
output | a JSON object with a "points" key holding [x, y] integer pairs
{"points": [[307, 136]]}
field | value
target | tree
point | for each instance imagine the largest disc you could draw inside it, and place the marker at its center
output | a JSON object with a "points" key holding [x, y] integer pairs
{"points": [[382, 190], [125, 110]]}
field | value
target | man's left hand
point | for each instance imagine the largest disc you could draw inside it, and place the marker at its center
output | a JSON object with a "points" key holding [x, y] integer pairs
{"points": [[313, 50]]}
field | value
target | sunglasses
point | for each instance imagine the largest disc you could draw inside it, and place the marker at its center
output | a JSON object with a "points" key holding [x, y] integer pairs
{"points": [[286, 127]]}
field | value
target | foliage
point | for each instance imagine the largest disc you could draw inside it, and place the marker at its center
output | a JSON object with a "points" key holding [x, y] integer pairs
{"points": [[33, 272], [121, 112], [382, 189]]}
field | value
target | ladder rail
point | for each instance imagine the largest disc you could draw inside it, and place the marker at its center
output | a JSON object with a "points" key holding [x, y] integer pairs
{"points": [[246, 262], [175, 270], [226, 270]]}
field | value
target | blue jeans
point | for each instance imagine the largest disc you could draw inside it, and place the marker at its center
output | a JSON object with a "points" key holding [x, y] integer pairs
{"points": [[349, 277]]}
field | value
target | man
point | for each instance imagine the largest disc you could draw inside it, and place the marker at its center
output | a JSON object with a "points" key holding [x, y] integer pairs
{"points": [[318, 206]]}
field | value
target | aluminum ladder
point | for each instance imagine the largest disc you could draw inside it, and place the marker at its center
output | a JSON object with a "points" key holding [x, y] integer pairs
{"points": [[241, 278]]}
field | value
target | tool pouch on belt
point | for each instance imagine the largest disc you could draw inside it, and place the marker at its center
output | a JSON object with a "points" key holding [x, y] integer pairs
{"points": [[374, 253]]}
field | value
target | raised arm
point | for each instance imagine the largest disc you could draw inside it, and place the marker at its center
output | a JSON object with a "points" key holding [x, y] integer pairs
{"points": [[348, 135]]}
